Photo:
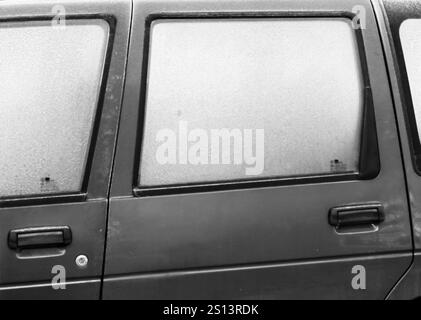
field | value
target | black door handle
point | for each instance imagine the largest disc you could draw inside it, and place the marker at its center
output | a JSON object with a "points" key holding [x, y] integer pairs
{"points": [[40, 237], [356, 215]]}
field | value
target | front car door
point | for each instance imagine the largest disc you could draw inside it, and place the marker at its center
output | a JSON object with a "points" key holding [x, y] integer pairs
{"points": [[62, 66], [303, 194]]}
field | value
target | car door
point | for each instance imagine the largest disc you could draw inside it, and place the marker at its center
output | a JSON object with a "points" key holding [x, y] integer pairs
{"points": [[62, 66], [257, 156], [402, 28]]}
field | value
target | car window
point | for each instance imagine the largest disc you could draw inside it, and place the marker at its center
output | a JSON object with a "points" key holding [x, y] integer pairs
{"points": [[239, 99], [410, 35], [51, 78]]}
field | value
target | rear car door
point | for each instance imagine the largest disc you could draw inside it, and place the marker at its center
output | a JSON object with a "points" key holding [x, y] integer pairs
{"points": [[258, 155], [402, 28], [62, 66]]}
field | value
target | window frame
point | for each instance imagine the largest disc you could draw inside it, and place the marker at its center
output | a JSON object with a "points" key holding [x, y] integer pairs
{"points": [[397, 13], [369, 157], [84, 192]]}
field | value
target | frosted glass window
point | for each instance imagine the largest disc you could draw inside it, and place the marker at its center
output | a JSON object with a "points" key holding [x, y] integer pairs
{"points": [[295, 81], [410, 34], [49, 88]]}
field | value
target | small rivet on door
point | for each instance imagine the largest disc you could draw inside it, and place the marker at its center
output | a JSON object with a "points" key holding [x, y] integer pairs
{"points": [[82, 261]]}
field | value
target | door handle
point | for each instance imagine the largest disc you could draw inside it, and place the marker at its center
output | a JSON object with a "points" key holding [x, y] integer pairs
{"points": [[40, 237], [356, 215]]}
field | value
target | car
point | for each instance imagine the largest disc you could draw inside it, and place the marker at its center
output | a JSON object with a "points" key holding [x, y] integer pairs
{"points": [[212, 149]]}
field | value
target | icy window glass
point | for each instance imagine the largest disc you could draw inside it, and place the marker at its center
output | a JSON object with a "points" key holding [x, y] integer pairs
{"points": [[410, 34], [49, 88], [251, 98]]}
